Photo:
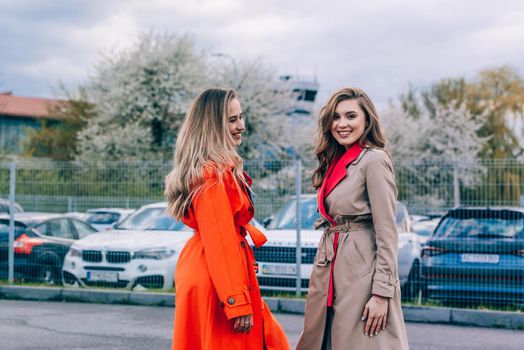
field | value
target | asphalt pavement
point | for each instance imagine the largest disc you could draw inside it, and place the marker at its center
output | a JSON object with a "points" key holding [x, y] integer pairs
{"points": [[31, 325]]}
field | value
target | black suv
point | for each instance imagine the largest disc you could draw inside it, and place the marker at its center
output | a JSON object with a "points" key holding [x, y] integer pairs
{"points": [[41, 242]]}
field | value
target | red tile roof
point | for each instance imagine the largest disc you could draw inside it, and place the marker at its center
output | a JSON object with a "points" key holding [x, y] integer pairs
{"points": [[28, 107]]}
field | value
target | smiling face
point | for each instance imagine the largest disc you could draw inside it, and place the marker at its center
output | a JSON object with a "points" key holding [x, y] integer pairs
{"points": [[349, 123], [235, 121]]}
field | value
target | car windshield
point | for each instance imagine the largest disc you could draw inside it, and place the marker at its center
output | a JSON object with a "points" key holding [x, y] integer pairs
{"points": [[102, 218], [140, 219], [425, 227], [286, 217], [165, 222], [151, 219], [488, 227]]}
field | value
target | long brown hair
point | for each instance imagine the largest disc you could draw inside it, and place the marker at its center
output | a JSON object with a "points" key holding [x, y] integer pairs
{"points": [[204, 140], [327, 148]]}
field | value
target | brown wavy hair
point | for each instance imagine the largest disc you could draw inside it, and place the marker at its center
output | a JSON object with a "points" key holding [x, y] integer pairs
{"points": [[327, 148]]}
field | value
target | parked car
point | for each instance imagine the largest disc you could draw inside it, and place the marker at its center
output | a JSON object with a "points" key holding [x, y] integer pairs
{"points": [[105, 218], [476, 255], [140, 252], [277, 258], [4, 206], [82, 216], [41, 242], [425, 228]]}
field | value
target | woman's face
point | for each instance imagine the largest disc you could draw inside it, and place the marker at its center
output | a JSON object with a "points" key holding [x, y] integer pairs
{"points": [[235, 119], [349, 123]]}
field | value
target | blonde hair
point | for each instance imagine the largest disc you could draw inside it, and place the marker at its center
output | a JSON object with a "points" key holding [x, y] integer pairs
{"points": [[327, 148], [204, 142]]}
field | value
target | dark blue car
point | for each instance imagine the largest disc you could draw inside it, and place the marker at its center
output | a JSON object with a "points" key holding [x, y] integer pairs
{"points": [[41, 240], [476, 255]]}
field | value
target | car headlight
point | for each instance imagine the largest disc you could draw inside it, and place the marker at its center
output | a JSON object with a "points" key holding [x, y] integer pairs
{"points": [[154, 253], [75, 252]]}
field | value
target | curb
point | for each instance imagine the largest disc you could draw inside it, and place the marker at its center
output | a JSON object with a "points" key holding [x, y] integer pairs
{"points": [[422, 314], [87, 296]]}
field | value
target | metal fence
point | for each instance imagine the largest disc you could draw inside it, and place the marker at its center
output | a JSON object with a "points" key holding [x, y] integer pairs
{"points": [[457, 271]]}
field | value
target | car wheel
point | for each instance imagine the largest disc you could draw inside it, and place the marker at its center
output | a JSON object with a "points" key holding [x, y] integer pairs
{"points": [[69, 280], [412, 288], [48, 274]]}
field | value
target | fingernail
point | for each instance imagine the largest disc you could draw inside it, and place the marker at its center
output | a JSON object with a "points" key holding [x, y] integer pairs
{"points": [[365, 333], [371, 335]]}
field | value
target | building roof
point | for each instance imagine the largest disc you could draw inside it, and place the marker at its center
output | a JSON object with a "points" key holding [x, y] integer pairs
{"points": [[27, 107]]}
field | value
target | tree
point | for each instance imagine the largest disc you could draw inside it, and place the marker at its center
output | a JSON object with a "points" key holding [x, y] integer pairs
{"points": [[265, 102], [436, 146], [499, 93], [141, 96], [57, 139], [495, 98], [494, 95]]}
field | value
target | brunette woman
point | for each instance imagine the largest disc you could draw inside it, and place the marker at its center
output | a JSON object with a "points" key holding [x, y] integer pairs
{"points": [[354, 295]]}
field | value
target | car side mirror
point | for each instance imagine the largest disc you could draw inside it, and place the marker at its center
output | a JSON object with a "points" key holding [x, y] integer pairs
{"points": [[267, 221]]}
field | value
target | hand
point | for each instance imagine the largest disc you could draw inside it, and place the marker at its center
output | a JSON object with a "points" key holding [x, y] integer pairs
{"points": [[243, 324], [376, 315]]}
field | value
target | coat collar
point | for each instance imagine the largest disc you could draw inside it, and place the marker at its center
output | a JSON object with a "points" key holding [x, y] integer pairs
{"points": [[336, 172]]}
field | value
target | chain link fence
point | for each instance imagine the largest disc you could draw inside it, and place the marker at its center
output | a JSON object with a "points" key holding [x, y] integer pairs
{"points": [[428, 190]]}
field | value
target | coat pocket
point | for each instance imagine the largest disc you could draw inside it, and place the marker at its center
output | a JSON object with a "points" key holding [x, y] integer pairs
{"points": [[359, 264]]}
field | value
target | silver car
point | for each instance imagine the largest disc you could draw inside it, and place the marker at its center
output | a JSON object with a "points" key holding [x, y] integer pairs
{"points": [[277, 258], [105, 218]]}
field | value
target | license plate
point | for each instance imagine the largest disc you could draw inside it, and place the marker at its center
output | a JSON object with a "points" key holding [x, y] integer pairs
{"points": [[279, 270], [102, 276], [480, 258]]}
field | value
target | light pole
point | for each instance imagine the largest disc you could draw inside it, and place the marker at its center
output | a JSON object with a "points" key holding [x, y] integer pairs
{"points": [[234, 64]]}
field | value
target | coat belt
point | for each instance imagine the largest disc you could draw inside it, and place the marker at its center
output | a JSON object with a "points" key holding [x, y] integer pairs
{"points": [[326, 250], [256, 235]]}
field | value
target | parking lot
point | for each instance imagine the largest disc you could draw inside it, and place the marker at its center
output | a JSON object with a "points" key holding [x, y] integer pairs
{"points": [[35, 325]]}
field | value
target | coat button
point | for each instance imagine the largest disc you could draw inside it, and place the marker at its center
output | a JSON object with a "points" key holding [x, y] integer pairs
{"points": [[231, 301]]}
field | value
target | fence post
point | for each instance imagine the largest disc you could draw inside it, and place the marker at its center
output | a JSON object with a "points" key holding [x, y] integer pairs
{"points": [[298, 183], [69, 204], [456, 186], [11, 254]]}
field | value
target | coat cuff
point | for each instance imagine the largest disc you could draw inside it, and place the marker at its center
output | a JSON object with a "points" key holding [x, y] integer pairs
{"points": [[237, 305], [384, 285]]}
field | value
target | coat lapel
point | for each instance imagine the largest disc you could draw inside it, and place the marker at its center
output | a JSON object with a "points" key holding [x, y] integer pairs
{"points": [[321, 197], [337, 171]]}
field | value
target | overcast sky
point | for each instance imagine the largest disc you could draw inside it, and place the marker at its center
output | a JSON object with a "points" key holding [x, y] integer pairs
{"points": [[381, 46]]}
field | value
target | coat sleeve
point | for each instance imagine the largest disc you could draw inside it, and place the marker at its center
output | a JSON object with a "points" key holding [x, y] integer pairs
{"points": [[214, 216], [382, 194]]}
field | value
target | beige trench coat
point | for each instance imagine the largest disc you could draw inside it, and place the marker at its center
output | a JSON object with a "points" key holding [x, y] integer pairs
{"points": [[364, 204]]}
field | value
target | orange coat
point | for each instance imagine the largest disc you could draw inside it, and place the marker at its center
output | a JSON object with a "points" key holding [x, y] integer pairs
{"points": [[215, 278]]}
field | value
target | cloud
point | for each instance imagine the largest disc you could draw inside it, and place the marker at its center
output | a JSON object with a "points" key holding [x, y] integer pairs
{"points": [[380, 46]]}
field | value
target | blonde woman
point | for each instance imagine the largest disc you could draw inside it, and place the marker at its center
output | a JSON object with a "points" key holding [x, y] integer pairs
{"points": [[354, 296], [218, 302]]}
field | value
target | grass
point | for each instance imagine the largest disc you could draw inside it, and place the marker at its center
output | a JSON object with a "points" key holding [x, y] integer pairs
{"points": [[468, 306]]}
